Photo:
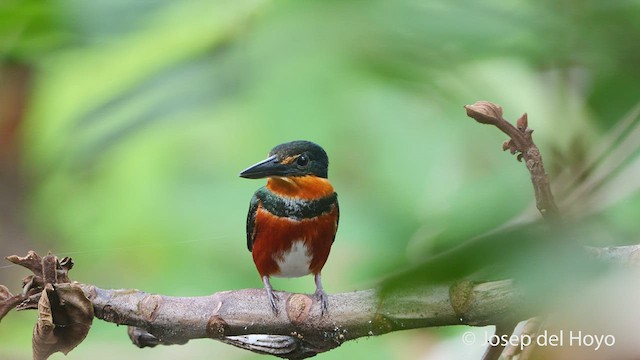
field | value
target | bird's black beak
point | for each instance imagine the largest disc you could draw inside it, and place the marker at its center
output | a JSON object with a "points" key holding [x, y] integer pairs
{"points": [[265, 168]]}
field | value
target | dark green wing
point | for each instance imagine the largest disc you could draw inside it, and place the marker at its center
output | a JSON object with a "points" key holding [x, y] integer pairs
{"points": [[337, 219], [251, 221]]}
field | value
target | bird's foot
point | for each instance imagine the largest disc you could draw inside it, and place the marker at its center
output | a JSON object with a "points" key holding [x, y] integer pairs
{"points": [[324, 301], [321, 295], [273, 300]]}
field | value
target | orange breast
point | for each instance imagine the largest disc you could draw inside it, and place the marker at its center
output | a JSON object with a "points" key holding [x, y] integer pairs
{"points": [[275, 236], [300, 187]]}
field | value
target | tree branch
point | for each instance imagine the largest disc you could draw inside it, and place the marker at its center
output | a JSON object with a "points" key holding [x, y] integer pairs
{"points": [[629, 255], [243, 318], [235, 317]]}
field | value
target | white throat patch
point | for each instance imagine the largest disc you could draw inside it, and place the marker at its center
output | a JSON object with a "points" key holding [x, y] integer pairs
{"points": [[295, 262]]}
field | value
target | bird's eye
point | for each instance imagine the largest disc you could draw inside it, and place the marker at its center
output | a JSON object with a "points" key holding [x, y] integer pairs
{"points": [[302, 161]]}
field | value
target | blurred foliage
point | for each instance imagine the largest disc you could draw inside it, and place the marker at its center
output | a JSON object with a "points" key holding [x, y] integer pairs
{"points": [[142, 114]]}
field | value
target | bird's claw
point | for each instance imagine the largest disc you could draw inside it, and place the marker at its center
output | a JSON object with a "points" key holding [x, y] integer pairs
{"points": [[324, 301], [273, 300]]}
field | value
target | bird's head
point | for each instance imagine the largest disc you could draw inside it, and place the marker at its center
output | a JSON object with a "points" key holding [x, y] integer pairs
{"points": [[293, 159]]}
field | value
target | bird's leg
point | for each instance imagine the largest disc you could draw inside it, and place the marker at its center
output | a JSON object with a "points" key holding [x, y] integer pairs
{"points": [[320, 294], [273, 299]]}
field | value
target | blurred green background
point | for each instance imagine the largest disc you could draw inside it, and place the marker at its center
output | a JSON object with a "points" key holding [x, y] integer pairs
{"points": [[124, 125]]}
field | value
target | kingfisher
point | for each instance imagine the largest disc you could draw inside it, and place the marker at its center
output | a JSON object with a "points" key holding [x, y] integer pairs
{"points": [[293, 220]]}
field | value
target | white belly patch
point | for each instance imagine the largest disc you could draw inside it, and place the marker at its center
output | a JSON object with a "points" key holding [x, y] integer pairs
{"points": [[295, 262]]}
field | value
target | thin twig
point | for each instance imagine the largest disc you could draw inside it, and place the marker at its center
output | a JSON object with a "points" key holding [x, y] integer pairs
{"points": [[520, 142]]}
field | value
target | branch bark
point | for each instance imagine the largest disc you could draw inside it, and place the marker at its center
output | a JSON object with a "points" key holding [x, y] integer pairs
{"points": [[243, 318]]}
